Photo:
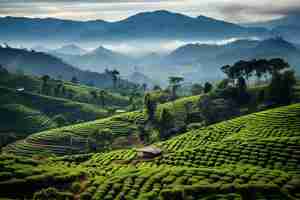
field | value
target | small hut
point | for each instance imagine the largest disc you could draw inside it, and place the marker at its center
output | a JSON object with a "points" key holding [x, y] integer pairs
{"points": [[20, 90], [149, 152]]}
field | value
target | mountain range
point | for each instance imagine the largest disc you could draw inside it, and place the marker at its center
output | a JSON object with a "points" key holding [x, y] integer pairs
{"points": [[40, 63], [194, 61], [287, 27], [156, 25]]}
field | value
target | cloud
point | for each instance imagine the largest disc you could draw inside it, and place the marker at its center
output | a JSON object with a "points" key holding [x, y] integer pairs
{"points": [[112, 10], [241, 10]]}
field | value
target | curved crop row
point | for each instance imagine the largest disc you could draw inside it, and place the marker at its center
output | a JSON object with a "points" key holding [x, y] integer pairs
{"points": [[115, 132]]}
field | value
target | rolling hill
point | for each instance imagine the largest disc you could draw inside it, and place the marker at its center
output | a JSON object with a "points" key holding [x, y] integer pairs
{"points": [[287, 26], [75, 92], [206, 60], [19, 121], [250, 157], [98, 60], [38, 63], [74, 111], [123, 130], [24, 113]]}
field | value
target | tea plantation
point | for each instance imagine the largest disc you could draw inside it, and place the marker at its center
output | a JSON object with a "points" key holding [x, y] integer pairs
{"points": [[21, 119], [110, 133], [80, 92], [251, 157], [24, 113], [73, 111]]}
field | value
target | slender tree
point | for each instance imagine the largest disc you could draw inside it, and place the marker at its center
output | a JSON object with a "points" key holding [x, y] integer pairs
{"points": [[175, 83], [144, 87], [102, 95], [150, 106], [45, 85], [114, 76], [58, 88]]}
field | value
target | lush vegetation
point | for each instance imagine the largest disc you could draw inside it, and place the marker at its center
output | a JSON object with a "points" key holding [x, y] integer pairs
{"points": [[208, 148], [30, 104], [251, 157], [23, 113], [119, 131], [63, 89]]}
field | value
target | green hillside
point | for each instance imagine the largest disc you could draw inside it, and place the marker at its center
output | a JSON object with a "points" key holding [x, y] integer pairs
{"points": [[110, 133], [251, 157], [24, 119], [18, 121], [51, 106], [39, 64], [297, 91], [23, 113], [72, 91]]}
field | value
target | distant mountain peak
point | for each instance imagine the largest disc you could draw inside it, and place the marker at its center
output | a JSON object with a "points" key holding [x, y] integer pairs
{"points": [[101, 49], [71, 49], [156, 15], [277, 42], [159, 13], [71, 46], [162, 12]]}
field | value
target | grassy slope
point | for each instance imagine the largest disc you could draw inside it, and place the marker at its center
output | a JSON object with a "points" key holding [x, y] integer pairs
{"points": [[51, 106], [297, 90], [124, 128], [21, 119], [111, 99], [81, 92], [251, 157], [25, 113]]}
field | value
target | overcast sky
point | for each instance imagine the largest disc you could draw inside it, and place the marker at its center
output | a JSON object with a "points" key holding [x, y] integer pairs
{"points": [[113, 10]]}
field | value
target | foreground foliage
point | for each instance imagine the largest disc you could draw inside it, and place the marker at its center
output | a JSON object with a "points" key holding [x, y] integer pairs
{"points": [[251, 157]]}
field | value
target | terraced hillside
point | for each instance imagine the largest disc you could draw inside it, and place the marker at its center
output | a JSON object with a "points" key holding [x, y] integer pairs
{"points": [[23, 119], [251, 157], [24, 113], [297, 91], [75, 92], [111, 99], [18, 121], [110, 133], [72, 111]]}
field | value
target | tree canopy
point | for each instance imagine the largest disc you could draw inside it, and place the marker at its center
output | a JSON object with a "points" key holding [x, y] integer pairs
{"points": [[260, 67], [174, 82]]}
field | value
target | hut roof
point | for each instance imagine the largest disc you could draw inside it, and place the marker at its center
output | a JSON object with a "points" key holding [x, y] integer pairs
{"points": [[150, 149], [20, 89]]}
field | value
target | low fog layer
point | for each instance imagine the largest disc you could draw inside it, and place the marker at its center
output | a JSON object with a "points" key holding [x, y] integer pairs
{"points": [[131, 48], [155, 61]]}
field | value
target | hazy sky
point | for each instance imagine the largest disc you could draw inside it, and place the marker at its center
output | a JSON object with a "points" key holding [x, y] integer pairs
{"points": [[113, 10]]}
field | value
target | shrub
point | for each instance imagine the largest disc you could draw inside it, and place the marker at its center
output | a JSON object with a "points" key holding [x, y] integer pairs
{"points": [[47, 194], [174, 194], [85, 196], [75, 188], [60, 120]]}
